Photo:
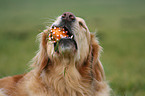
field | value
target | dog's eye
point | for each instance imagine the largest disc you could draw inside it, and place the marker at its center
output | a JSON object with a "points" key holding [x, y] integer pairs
{"points": [[80, 23]]}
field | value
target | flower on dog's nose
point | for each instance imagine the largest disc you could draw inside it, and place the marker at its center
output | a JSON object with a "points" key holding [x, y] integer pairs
{"points": [[57, 33]]}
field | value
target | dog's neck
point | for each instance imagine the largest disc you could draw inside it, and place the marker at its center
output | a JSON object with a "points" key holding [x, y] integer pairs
{"points": [[64, 76]]}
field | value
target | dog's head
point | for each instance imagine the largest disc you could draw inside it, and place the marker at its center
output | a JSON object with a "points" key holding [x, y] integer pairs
{"points": [[78, 46]]}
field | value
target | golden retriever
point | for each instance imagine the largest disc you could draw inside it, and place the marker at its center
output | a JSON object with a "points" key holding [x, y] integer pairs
{"points": [[69, 66]]}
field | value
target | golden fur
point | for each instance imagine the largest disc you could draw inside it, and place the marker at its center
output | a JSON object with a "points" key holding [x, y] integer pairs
{"points": [[83, 76]]}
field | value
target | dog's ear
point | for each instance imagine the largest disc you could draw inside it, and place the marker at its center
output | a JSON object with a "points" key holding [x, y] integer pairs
{"points": [[41, 60], [98, 71]]}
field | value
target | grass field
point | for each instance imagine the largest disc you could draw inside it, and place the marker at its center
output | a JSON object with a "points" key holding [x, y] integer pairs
{"points": [[121, 30]]}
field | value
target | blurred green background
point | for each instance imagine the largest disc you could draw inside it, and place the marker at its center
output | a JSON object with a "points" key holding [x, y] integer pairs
{"points": [[121, 32]]}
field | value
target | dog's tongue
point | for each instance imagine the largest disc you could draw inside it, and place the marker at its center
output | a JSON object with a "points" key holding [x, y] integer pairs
{"points": [[57, 33]]}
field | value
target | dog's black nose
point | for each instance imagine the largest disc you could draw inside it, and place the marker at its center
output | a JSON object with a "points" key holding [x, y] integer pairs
{"points": [[67, 16]]}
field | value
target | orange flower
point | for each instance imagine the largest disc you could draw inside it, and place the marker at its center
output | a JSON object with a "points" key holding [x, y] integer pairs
{"points": [[57, 33]]}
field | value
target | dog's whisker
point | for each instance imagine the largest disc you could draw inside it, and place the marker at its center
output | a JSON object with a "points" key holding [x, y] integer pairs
{"points": [[48, 22], [49, 19]]}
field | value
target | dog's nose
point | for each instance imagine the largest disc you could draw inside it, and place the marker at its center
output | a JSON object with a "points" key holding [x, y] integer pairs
{"points": [[67, 16]]}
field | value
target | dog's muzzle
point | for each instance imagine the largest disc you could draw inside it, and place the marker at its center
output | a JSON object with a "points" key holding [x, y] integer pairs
{"points": [[66, 44]]}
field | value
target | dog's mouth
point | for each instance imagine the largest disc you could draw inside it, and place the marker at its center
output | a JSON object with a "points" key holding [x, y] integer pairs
{"points": [[59, 32], [63, 37]]}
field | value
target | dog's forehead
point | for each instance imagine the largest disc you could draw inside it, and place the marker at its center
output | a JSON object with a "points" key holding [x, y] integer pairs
{"points": [[80, 19]]}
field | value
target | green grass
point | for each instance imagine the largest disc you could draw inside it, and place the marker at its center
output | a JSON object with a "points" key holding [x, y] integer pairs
{"points": [[121, 31]]}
